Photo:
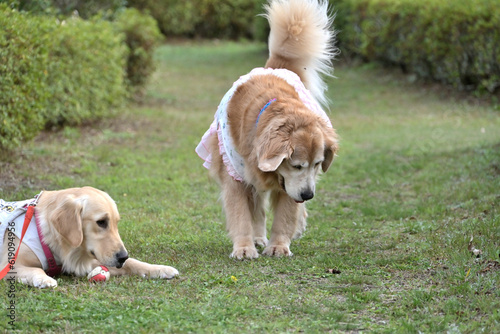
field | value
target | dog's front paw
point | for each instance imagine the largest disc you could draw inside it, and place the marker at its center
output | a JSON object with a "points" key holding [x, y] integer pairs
{"points": [[277, 250], [260, 241], [43, 282], [159, 271], [249, 252]]}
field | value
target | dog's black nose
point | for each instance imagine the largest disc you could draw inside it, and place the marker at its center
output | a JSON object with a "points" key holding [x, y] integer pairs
{"points": [[306, 195], [121, 257]]}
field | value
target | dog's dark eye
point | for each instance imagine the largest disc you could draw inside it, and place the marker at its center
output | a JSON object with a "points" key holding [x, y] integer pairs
{"points": [[299, 167], [103, 223]]}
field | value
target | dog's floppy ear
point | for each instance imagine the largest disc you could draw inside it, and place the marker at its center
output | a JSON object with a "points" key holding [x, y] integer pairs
{"points": [[272, 149], [331, 146], [67, 220], [270, 161]]}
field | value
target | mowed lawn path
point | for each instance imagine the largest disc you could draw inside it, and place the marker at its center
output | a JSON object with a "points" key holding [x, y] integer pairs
{"points": [[387, 248]]}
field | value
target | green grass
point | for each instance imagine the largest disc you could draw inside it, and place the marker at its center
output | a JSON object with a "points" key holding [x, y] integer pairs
{"points": [[416, 177]]}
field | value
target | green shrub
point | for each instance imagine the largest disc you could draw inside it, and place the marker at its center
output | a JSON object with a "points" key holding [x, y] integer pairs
{"points": [[452, 41], [23, 76], [175, 18], [86, 77], [55, 73], [86, 8], [203, 18], [226, 19], [142, 36]]}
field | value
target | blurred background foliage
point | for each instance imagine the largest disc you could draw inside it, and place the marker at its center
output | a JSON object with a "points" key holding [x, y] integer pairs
{"points": [[71, 61], [232, 19], [456, 42]]}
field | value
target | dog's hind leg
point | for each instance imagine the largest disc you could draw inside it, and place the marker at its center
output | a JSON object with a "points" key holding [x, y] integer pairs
{"points": [[35, 277], [237, 199], [27, 269]]}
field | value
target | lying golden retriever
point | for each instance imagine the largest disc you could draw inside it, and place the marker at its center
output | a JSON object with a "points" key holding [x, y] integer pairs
{"points": [[78, 228], [271, 136]]}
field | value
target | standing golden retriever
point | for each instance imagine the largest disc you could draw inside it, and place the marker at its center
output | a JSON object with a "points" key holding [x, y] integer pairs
{"points": [[270, 135], [73, 231]]}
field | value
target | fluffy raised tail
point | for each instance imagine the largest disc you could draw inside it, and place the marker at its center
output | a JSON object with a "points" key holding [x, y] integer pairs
{"points": [[302, 41]]}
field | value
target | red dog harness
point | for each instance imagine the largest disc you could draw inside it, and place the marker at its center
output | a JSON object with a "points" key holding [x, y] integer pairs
{"points": [[11, 215]]}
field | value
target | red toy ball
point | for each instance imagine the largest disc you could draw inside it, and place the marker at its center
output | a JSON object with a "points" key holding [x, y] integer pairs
{"points": [[98, 274]]}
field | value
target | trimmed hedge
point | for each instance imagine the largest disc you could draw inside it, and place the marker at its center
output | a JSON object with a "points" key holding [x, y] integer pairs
{"points": [[86, 9], [23, 76], [56, 73], [455, 42], [142, 37], [203, 18], [85, 72]]}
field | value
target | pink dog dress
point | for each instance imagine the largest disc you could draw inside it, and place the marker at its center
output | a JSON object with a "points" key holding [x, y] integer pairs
{"points": [[233, 161]]}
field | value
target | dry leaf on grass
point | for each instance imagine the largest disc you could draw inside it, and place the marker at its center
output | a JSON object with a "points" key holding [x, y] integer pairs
{"points": [[333, 271], [473, 250]]}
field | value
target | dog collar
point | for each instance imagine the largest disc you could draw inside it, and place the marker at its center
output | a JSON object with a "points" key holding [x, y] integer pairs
{"points": [[54, 269], [263, 109]]}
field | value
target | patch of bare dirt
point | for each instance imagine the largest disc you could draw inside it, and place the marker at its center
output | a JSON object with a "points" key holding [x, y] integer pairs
{"points": [[489, 266], [28, 166]]}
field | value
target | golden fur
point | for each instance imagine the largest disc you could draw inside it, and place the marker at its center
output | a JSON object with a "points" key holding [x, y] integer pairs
{"points": [[80, 226], [285, 150]]}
